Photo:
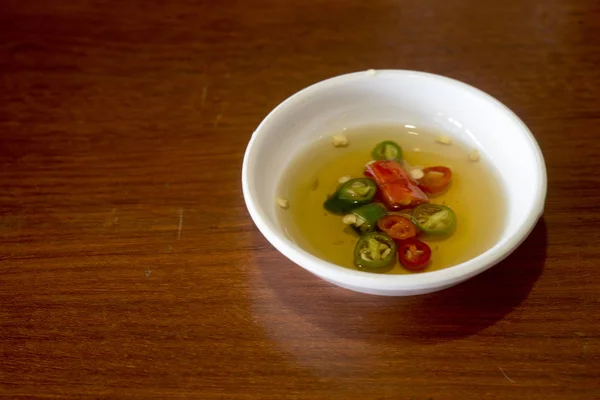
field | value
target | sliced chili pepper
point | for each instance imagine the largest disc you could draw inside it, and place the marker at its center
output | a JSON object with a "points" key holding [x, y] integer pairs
{"points": [[435, 179], [350, 195], [434, 219], [387, 150], [397, 226], [374, 250], [413, 254], [397, 189], [358, 189], [364, 219]]}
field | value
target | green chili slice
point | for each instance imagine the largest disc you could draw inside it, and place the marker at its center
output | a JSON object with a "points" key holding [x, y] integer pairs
{"points": [[374, 250], [350, 195], [434, 219], [387, 150], [364, 219]]}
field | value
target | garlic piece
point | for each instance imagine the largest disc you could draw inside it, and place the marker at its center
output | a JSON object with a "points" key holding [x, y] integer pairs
{"points": [[283, 203], [349, 219], [443, 139], [417, 150], [344, 179], [474, 155], [339, 141], [416, 173]]}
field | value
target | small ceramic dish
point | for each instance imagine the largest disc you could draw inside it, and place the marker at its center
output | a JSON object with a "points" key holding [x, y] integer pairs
{"points": [[396, 96]]}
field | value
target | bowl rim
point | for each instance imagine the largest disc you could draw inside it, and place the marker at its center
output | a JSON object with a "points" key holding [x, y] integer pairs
{"points": [[388, 282]]}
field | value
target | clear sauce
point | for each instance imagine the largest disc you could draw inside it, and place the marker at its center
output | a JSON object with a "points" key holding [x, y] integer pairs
{"points": [[475, 194]]}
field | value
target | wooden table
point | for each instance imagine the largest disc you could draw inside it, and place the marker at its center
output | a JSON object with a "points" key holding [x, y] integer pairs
{"points": [[129, 267]]}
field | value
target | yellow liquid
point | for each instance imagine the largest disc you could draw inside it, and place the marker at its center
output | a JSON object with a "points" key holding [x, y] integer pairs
{"points": [[475, 195]]}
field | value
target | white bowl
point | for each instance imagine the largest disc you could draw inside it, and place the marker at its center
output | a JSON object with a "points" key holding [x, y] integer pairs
{"points": [[404, 97]]}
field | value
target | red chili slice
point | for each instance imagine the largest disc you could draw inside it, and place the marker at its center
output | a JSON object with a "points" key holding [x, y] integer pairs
{"points": [[435, 179], [413, 254], [397, 189], [397, 227]]}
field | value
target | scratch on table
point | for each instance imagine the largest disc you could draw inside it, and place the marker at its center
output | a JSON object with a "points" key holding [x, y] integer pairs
{"points": [[112, 221], [240, 313], [506, 376], [180, 223], [584, 344], [148, 271], [204, 93], [388, 393], [217, 119]]}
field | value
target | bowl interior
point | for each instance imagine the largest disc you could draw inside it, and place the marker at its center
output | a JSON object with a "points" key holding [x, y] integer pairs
{"points": [[402, 97]]}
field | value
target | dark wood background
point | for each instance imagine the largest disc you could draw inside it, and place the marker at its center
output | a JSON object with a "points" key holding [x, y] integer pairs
{"points": [[129, 267]]}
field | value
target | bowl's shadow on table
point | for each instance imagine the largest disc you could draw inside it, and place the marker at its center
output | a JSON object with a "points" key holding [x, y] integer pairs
{"points": [[450, 314]]}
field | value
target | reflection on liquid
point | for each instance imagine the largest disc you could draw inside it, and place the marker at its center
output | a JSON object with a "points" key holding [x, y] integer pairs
{"points": [[323, 327], [457, 127]]}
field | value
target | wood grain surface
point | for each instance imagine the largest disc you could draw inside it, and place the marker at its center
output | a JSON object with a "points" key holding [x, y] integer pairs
{"points": [[129, 267]]}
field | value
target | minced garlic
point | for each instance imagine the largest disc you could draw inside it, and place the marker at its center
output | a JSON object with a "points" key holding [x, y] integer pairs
{"points": [[283, 203], [349, 219], [339, 141], [474, 155], [344, 179], [443, 140], [416, 173]]}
